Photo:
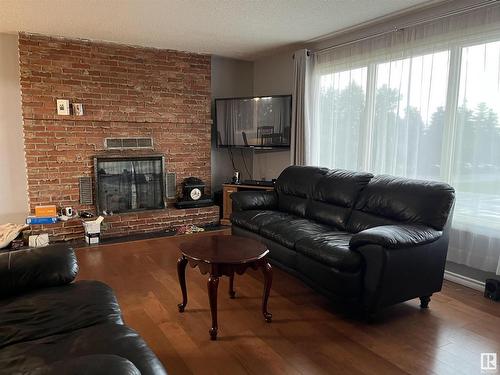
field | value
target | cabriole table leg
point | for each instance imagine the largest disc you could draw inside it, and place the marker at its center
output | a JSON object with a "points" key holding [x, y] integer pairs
{"points": [[181, 273], [212, 284], [268, 280]]}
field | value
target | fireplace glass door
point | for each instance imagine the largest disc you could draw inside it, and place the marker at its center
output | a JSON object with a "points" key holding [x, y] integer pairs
{"points": [[129, 184]]}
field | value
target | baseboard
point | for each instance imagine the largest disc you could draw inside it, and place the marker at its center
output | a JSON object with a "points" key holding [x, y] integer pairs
{"points": [[464, 280]]}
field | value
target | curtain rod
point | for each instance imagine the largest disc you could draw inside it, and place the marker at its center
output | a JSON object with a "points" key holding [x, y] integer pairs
{"points": [[416, 23]]}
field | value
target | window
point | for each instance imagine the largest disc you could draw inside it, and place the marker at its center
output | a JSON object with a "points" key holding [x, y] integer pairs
{"points": [[476, 161], [386, 124], [429, 116], [410, 95], [342, 107], [421, 102]]}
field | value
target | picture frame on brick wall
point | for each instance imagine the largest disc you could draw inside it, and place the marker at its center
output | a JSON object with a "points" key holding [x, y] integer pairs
{"points": [[63, 107], [78, 109]]}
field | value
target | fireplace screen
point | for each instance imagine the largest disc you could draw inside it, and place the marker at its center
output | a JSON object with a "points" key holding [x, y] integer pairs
{"points": [[126, 184]]}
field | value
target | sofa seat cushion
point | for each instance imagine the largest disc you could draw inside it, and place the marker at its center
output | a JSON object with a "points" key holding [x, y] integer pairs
{"points": [[332, 250], [101, 339], [49, 311], [254, 220], [288, 232]]}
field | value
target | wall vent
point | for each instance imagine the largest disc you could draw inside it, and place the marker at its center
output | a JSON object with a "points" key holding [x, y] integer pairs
{"points": [[128, 143], [171, 190], [86, 190]]}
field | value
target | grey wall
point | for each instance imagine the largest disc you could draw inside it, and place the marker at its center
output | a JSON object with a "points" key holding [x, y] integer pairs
{"points": [[13, 185], [230, 78], [272, 75]]}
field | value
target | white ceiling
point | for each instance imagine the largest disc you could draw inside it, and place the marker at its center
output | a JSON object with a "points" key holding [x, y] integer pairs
{"points": [[244, 29]]}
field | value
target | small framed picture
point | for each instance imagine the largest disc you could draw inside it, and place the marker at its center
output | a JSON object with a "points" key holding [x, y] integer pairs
{"points": [[78, 109], [63, 107]]}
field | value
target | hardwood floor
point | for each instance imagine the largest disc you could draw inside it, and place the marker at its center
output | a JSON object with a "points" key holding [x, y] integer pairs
{"points": [[307, 335]]}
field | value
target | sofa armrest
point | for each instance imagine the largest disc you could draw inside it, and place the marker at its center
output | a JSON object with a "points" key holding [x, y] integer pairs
{"points": [[395, 236], [28, 269], [254, 200]]}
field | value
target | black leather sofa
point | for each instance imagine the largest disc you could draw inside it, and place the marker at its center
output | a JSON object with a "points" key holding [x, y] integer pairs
{"points": [[369, 240], [52, 325]]}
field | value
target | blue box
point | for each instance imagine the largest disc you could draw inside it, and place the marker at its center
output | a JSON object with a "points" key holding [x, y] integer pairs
{"points": [[32, 220]]}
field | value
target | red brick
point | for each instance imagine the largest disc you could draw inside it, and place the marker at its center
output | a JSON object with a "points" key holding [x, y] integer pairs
{"points": [[126, 91]]}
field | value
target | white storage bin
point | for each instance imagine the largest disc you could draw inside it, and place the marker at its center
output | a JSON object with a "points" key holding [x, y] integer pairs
{"points": [[93, 230]]}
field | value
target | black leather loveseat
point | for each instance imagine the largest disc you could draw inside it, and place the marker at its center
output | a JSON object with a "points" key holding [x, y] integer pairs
{"points": [[51, 325], [375, 241]]}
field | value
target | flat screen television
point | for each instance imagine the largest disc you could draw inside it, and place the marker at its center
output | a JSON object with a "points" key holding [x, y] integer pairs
{"points": [[260, 122]]}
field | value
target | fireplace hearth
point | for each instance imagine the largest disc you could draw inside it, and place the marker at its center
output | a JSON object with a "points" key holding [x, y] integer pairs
{"points": [[129, 183]]}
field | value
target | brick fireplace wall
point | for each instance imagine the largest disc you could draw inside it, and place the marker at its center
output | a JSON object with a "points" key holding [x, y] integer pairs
{"points": [[126, 92]]}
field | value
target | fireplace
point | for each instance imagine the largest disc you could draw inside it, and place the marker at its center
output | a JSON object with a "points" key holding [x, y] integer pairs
{"points": [[127, 184]]}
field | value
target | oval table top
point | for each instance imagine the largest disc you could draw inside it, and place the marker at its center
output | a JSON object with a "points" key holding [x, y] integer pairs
{"points": [[224, 249]]}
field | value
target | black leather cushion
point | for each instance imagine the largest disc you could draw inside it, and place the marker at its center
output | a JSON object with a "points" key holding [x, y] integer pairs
{"points": [[101, 339], [330, 280], [253, 220], [332, 250], [23, 270], [98, 364], [254, 200], [288, 232], [359, 221], [295, 186], [391, 200], [334, 196], [395, 236], [50, 311], [295, 205]]}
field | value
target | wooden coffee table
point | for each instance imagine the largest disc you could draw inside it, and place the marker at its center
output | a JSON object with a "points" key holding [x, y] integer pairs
{"points": [[223, 256]]}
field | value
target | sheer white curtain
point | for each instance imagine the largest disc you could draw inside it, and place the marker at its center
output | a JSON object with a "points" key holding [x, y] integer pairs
{"points": [[422, 102], [476, 165], [300, 83]]}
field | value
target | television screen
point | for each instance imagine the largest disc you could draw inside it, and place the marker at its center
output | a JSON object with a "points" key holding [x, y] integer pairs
{"points": [[254, 122]]}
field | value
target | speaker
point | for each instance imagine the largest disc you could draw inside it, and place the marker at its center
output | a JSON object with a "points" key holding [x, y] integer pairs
{"points": [[492, 289]]}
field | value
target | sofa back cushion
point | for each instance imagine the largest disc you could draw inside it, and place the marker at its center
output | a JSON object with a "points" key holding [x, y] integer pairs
{"points": [[390, 200], [295, 186], [334, 196]]}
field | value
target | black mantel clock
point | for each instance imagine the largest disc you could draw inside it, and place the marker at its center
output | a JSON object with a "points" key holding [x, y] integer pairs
{"points": [[193, 194], [193, 189]]}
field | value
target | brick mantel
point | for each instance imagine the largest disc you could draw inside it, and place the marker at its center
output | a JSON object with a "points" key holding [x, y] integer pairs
{"points": [[126, 92]]}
